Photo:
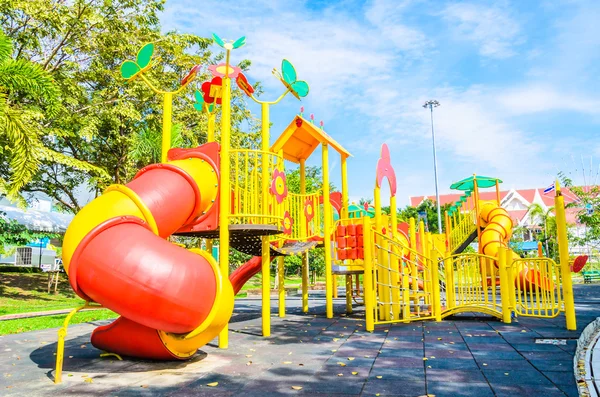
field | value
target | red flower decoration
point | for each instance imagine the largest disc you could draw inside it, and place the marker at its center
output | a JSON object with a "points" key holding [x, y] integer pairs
{"points": [[366, 205], [309, 210], [193, 72], [279, 186], [242, 82], [287, 223], [220, 69], [212, 90]]}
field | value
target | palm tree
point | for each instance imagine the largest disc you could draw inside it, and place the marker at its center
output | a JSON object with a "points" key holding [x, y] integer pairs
{"points": [[28, 97], [148, 145], [536, 211]]}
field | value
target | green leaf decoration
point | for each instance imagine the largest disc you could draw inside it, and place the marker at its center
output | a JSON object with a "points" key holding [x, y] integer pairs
{"points": [[129, 69], [199, 106], [199, 97], [211, 107], [288, 72], [218, 40], [144, 55], [239, 42], [301, 88]]}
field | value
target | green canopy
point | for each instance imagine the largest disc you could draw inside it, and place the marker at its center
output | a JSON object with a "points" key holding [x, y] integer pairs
{"points": [[463, 199], [482, 182], [469, 192]]}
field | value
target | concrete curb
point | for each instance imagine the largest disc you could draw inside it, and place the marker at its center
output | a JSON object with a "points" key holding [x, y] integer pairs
{"points": [[582, 359]]}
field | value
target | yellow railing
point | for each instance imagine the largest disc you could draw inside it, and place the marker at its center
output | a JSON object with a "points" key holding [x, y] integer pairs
{"points": [[398, 288], [248, 205], [462, 225], [471, 284], [305, 217], [537, 290]]}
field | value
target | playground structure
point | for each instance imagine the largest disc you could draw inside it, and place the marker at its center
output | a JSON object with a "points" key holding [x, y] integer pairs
{"points": [[173, 300]]}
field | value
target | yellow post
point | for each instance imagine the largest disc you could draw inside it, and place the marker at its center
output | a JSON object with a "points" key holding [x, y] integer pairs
{"points": [[368, 276], [563, 251], [504, 288], [540, 250], [166, 132], [211, 127], [266, 286], [264, 156], [349, 294], [305, 271], [225, 197], [327, 233], [412, 231], [449, 272], [335, 286], [305, 268], [344, 213], [281, 286], [497, 193], [435, 281], [394, 216], [477, 219], [266, 250], [382, 275]]}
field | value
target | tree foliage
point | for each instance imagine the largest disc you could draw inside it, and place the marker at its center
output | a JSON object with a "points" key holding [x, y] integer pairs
{"points": [[28, 98], [427, 207], [100, 119], [588, 212]]}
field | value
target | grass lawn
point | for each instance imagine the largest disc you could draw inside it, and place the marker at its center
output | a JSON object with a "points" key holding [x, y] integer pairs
{"points": [[23, 293]]}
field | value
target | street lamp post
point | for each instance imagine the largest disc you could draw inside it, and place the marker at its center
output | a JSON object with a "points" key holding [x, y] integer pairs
{"points": [[432, 103]]}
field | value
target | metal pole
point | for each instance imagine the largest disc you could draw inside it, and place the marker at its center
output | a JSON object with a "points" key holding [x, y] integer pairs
{"points": [[430, 104]]}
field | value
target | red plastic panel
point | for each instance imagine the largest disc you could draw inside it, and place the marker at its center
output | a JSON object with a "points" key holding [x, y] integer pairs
{"points": [[341, 230], [359, 230], [341, 254], [351, 230], [360, 241], [341, 242], [351, 241], [351, 254], [360, 253]]}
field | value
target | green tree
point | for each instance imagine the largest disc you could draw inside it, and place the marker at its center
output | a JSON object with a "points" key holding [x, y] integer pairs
{"points": [[313, 180], [588, 213], [28, 98], [100, 118], [547, 224], [427, 207]]}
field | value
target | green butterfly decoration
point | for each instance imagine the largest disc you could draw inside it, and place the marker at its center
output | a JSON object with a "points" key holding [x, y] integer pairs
{"points": [[199, 105], [218, 40], [229, 46], [130, 69], [298, 88]]}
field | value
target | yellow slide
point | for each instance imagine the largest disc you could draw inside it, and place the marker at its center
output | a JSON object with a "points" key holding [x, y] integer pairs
{"points": [[497, 233]]}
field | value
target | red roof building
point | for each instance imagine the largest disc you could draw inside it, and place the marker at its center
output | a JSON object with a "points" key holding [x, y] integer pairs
{"points": [[517, 202]]}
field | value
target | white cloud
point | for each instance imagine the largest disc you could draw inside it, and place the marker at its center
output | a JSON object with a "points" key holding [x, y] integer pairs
{"points": [[368, 60], [493, 29], [539, 98]]}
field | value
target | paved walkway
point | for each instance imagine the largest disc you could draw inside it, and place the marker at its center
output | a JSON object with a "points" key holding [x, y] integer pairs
{"points": [[465, 356]]}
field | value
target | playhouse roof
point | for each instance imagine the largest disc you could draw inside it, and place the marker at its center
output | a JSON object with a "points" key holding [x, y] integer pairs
{"points": [[300, 139]]}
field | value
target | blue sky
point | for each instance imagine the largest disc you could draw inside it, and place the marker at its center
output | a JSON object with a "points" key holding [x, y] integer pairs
{"points": [[517, 81]]}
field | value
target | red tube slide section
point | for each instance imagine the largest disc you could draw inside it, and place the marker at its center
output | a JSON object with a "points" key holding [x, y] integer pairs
{"points": [[171, 300]]}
